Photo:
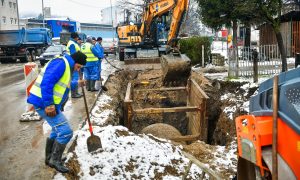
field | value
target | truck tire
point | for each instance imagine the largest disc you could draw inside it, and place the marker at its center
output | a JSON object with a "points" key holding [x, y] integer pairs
{"points": [[27, 57], [4, 60], [121, 56]]}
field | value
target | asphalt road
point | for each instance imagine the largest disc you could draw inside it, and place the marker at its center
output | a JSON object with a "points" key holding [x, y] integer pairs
{"points": [[22, 143]]}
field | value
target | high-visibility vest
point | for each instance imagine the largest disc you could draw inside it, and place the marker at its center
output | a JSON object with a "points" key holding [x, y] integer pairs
{"points": [[59, 88], [86, 49], [77, 47]]}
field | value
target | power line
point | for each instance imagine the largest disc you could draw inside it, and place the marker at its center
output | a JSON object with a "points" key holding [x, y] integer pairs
{"points": [[87, 5]]}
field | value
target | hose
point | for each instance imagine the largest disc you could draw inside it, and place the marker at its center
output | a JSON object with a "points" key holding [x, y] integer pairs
{"points": [[112, 64]]}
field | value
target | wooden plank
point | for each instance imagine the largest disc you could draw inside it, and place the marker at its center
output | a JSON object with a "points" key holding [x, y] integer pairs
{"points": [[128, 92], [199, 89], [202, 166], [162, 89], [167, 110], [194, 137]]}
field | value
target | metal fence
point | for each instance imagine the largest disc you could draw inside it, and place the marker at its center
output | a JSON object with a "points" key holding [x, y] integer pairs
{"points": [[241, 60]]}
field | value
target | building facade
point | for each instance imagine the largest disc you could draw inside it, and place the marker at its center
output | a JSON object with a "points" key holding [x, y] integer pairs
{"points": [[8, 14], [112, 15]]}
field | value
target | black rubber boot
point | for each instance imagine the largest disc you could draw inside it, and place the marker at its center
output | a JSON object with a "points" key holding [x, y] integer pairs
{"points": [[75, 93], [88, 85], [93, 82], [48, 150], [55, 161]]}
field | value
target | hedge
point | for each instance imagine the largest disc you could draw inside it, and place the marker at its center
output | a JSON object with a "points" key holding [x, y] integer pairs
{"points": [[192, 47]]}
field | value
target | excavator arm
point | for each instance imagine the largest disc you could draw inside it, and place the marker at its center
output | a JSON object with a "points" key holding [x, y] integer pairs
{"points": [[152, 10], [177, 17]]}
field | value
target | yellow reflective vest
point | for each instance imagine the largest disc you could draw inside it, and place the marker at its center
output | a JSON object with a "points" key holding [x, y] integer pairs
{"points": [[77, 47], [59, 88], [86, 49]]}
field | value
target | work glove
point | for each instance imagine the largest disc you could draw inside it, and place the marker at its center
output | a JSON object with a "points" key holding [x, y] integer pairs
{"points": [[81, 83], [50, 111]]}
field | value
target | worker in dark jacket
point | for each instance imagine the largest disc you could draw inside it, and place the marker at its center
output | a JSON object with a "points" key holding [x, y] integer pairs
{"points": [[91, 69], [49, 91]]}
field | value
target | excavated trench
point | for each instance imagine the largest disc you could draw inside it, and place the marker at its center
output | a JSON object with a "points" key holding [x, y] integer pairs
{"points": [[221, 128]]}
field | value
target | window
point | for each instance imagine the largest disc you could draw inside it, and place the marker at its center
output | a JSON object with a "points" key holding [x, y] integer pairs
{"points": [[11, 20], [10, 4], [4, 19], [2, 2], [15, 5], [15, 20]]}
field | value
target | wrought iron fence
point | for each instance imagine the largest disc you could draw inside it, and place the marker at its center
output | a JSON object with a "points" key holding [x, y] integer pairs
{"points": [[241, 60]]}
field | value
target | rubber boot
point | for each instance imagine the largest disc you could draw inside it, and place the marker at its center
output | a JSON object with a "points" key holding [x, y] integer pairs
{"points": [[88, 85], [55, 161], [75, 94], [93, 82], [48, 150]]}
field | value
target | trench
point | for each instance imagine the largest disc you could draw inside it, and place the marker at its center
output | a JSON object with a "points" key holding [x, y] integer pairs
{"points": [[221, 128]]}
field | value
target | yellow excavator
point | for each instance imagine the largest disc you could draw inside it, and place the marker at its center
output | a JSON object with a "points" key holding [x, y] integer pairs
{"points": [[158, 29]]}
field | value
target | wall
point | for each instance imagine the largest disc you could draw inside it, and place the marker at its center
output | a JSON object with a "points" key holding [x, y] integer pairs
{"points": [[8, 15]]}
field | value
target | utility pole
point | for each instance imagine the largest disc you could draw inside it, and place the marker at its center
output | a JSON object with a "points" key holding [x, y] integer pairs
{"points": [[112, 21], [43, 14], [18, 15]]}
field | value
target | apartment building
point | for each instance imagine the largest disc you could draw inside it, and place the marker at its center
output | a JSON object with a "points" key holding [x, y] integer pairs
{"points": [[8, 14]]}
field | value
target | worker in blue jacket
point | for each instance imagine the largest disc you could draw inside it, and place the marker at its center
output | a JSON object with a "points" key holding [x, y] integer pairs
{"points": [[72, 47], [100, 48], [91, 69], [49, 91]]}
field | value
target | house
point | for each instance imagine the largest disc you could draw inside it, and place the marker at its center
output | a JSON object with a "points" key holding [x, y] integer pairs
{"points": [[290, 30]]}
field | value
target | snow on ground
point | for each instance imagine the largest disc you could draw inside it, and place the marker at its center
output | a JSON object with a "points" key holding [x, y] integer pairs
{"points": [[219, 47], [100, 112], [126, 155]]}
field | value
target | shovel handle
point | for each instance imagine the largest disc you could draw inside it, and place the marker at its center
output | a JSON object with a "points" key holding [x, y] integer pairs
{"points": [[86, 107]]}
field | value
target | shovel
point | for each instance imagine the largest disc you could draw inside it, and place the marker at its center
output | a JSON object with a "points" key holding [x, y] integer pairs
{"points": [[104, 88], [93, 142]]}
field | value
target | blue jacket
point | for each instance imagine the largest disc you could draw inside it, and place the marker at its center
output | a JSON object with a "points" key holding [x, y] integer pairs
{"points": [[101, 50], [72, 46], [53, 73]]}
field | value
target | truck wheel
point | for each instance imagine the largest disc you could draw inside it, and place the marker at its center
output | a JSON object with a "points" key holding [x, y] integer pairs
{"points": [[27, 57], [121, 56], [4, 60]]}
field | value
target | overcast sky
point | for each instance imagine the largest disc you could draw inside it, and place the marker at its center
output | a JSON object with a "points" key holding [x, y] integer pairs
{"points": [[82, 11]]}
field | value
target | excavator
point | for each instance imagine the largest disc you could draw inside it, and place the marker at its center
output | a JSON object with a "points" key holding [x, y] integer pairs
{"points": [[158, 29], [257, 147]]}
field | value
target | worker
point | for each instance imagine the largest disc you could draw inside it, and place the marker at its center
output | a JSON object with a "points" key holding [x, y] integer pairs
{"points": [[91, 69], [50, 89], [72, 47], [98, 45]]}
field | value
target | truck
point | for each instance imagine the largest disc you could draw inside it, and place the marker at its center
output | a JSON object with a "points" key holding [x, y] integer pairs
{"points": [[23, 44], [65, 37]]}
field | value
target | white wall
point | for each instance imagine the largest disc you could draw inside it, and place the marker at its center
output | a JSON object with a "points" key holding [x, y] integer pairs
{"points": [[8, 15]]}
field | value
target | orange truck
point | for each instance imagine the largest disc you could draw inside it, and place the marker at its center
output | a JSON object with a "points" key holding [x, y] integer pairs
{"points": [[254, 131]]}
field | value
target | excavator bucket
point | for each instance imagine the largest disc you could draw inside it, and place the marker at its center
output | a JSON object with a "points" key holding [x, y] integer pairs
{"points": [[176, 69]]}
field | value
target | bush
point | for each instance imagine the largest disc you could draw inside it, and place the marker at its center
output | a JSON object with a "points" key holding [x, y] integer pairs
{"points": [[192, 47]]}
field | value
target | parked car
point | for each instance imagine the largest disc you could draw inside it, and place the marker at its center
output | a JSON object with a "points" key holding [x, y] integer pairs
{"points": [[51, 52], [110, 47]]}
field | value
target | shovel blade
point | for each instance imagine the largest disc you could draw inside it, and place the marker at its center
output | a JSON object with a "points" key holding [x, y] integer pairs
{"points": [[104, 88], [93, 143]]}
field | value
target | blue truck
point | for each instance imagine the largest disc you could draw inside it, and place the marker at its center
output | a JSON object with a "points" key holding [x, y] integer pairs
{"points": [[23, 44]]}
